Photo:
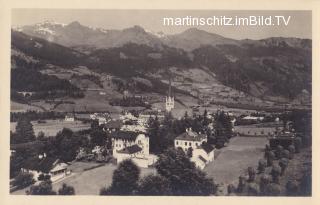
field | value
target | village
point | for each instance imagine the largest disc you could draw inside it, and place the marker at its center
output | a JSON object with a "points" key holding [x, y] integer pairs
{"points": [[209, 139]]}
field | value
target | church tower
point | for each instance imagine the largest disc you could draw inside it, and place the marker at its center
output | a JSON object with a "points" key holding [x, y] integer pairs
{"points": [[169, 98]]}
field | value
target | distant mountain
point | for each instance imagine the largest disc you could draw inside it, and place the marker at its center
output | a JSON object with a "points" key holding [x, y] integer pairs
{"points": [[77, 35], [194, 38], [268, 68], [43, 51]]}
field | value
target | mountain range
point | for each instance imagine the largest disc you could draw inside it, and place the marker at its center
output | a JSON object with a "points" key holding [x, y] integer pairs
{"points": [[277, 66]]}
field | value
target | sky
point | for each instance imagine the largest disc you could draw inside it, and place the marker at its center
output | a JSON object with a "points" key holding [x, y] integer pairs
{"points": [[300, 24]]}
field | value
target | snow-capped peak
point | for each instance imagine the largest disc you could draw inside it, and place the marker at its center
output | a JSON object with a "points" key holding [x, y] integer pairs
{"points": [[158, 34]]}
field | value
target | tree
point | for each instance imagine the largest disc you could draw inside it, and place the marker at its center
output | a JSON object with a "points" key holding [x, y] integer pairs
{"points": [[291, 151], [275, 173], [292, 188], [231, 189], [98, 137], [262, 165], [154, 185], [184, 178], [66, 190], [283, 163], [189, 152], [264, 181], [44, 188], [270, 158], [44, 177], [24, 131], [273, 189], [297, 144], [253, 189], [124, 180], [279, 152], [23, 180], [252, 174], [242, 184]]}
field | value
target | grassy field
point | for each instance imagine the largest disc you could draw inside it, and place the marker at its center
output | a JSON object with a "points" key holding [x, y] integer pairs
{"points": [[91, 181], [52, 127], [19, 107], [233, 160]]}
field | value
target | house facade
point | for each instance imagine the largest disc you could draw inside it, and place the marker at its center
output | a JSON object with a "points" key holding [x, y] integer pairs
{"points": [[189, 139], [202, 152], [132, 145]]}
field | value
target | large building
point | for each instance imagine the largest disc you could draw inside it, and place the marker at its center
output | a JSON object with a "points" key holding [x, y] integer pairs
{"points": [[202, 152], [189, 139], [132, 145]]}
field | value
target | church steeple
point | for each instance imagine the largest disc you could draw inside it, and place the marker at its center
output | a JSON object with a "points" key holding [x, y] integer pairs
{"points": [[169, 98]]}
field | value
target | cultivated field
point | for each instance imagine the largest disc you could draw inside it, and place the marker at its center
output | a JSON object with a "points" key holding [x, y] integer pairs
{"points": [[52, 127]]}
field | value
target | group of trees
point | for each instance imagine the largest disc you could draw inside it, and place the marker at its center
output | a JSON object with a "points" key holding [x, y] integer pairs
{"points": [[45, 188], [177, 175], [24, 132], [162, 134], [130, 102], [44, 86], [265, 180]]}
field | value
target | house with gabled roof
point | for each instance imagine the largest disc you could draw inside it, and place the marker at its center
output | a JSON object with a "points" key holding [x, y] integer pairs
{"points": [[189, 139], [45, 165], [203, 155], [202, 152]]}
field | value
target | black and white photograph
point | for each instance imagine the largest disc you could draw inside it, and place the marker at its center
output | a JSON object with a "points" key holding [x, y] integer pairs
{"points": [[140, 102]]}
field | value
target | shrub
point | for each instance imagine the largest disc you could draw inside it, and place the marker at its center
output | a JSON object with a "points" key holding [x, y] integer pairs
{"points": [[270, 158], [292, 188], [273, 189], [283, 163], [279, 151], [275, 173], [292, 150], [297, 144], [253, 189], [231, 189], [241, 184], [264, 181], [262, 165], [23, 180]]}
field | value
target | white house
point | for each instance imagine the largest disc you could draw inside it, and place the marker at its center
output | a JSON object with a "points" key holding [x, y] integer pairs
{"points": [[202, 152], [189, 139], [102, 118], [46, 165], [132, 145], [69, 118], [202, 155]]}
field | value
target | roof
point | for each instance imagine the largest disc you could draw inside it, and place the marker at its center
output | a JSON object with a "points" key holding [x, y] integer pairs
{"points": [[125, 135], [131, 150], [43, 165], [58, 167], [202, 159], [191, 136], [114, 124], [207, 147]]}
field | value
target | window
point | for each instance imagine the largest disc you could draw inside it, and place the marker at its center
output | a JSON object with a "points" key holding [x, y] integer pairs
{"points": [[189, 143], [196, 143], [177, 143], [186, 143]]}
